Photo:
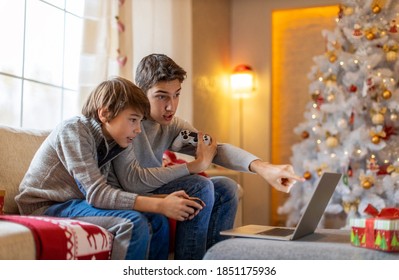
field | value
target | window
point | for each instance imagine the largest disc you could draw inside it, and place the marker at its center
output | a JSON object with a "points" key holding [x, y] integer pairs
{"points": [[39, 61]]}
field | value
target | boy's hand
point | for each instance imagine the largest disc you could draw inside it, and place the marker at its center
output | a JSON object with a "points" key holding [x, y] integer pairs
{"points": [[196, 208], [204, 155], [179, 206], [281, 177]]}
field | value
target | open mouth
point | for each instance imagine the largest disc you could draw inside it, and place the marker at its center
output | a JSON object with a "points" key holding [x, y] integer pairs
{"points": [[168, 117]]}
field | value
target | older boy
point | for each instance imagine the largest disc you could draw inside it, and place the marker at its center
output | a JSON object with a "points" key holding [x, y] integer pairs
{"points": [[161, 78], [68, 176]]}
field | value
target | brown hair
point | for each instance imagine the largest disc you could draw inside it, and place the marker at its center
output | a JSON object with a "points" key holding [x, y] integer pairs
{"points": [[154, 68], [116, 94]]}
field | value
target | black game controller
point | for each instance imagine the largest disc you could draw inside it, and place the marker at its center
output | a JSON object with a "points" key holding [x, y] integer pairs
{"points": [[196, 199], [187, 137]]}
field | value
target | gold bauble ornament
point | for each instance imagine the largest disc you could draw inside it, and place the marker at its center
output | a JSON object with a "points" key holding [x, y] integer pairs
{"points": [[367, 184], [332, 142], [376, 9], [366, 181], [394, 117], [378, 119], [375, 139], [386, 94], [391, 56], [370, 36], [332, 58], [307, 175]]}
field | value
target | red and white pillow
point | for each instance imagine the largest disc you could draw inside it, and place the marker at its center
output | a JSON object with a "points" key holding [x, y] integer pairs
{"points": [[66, 239]]}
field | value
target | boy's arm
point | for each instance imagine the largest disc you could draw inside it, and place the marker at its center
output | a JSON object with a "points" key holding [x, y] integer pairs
{"points": [[281, 177], [133, 178], [228, 156]]}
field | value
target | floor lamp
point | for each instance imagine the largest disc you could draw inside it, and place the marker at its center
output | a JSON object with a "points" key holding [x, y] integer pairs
{"points": [[242, 86]]}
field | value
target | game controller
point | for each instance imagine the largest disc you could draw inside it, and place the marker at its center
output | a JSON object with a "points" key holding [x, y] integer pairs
{"points": [[196, 199], [186, 137]]}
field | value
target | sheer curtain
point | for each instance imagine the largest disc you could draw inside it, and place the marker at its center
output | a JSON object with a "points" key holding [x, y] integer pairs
{"points": [[107, 43]]}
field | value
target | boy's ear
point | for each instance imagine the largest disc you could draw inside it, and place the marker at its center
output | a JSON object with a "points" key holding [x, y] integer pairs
{"points": [[103, 115]]}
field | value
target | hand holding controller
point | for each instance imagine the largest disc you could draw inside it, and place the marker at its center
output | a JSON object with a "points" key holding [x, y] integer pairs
{"points": [[187, 137], [195, 208]]}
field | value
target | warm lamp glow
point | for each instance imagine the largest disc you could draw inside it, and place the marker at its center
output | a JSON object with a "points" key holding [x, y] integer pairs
{"points": [[242, 81]]}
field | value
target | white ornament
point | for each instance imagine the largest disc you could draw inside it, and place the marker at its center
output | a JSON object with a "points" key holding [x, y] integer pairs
{"points": [[342, 123]]}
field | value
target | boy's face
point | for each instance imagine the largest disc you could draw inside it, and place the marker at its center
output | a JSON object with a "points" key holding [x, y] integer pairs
{"points": [[123, 128], [164, 100]]}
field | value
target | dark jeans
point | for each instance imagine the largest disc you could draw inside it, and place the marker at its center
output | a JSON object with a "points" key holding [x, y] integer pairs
{"points": [[220, 195]]}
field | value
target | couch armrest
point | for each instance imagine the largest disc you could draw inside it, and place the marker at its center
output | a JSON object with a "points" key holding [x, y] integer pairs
{"points": [[17, 242]]}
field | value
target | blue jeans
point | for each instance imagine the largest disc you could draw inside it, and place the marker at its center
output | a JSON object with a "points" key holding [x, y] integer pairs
{"points": [[220, 194], [137, 236]]}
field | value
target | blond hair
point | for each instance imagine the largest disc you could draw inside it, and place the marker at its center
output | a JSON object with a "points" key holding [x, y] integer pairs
{"points": [[115, 95]]}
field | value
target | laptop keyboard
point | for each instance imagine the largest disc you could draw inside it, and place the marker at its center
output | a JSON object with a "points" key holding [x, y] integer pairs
{"points": [[277, 232]]}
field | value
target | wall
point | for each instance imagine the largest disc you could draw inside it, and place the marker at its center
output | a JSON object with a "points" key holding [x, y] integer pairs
{"points": [[211, 65], [166, 28]]}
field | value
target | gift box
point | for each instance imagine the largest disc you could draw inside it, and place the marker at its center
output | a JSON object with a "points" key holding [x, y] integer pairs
{"points": [[380, 232]]}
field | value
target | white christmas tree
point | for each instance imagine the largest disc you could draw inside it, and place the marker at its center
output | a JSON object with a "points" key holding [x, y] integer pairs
{"points": [[351, 123]]}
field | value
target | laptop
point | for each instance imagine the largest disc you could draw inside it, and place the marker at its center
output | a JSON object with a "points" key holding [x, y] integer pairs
{"points": [[308, 222]]}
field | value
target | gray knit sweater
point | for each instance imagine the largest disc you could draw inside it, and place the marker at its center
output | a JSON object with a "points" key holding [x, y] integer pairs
{"points": [[69, 155], [147, 151]]}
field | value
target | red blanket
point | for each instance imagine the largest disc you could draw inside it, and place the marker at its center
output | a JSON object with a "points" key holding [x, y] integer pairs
{"points": [[65, 239]]}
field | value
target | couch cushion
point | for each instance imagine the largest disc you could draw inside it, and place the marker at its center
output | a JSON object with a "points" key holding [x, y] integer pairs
{"points": [[18, 147]]}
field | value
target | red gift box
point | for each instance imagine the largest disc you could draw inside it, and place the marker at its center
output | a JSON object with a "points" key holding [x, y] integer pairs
{"points": [[380, 232]]}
